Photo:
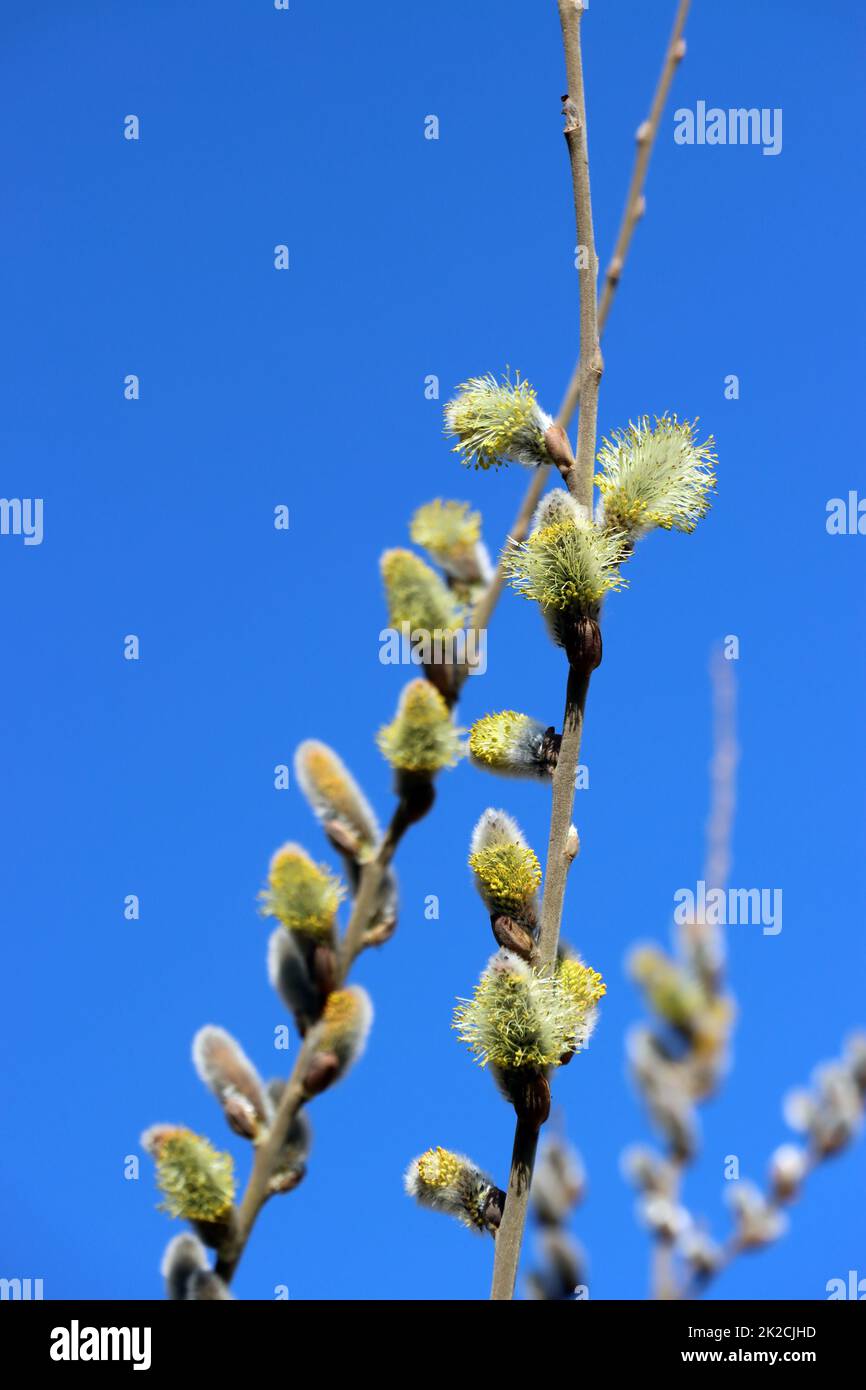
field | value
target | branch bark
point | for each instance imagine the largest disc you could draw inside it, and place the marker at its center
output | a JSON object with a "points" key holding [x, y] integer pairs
{"points": [[510, 1235], [590, 364]]}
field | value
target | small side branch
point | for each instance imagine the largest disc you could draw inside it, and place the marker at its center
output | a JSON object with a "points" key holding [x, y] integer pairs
{"points": [[294, 1095], [635, 203]]}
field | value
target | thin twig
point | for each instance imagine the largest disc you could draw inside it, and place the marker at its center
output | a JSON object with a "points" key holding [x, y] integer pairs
{"points": [[369, 884], [590, 364], [663, 1284], [635, 203], [723, 774], [734, 1246]]}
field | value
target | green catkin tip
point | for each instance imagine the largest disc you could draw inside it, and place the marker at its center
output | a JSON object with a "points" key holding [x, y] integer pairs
{"points": [[566, 566], [655, 476], [511, 744], [302, 895], [417, 595], [451, 1183], [422, 736], [497, 422], [196, 1180], [524, 1017]]}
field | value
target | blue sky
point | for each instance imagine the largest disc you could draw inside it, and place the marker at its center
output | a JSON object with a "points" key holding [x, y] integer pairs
{"points": [[408, 257]]}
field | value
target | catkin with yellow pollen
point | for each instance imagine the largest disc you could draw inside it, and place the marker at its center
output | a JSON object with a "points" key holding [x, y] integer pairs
{"points": [[513, 745], [196, 1180], [336, 799], [451, 1183], [506, 876], [655, 476], [496, 422], [302, 895], [421, 738]]}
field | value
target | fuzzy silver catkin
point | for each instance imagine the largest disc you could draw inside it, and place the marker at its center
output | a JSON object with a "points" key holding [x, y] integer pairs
{"points": [[226, 1070], [494, 828], [290, 977], [506, 870], [557, 506], [339, 1038], [451, 1183], [184, 1256], [450, 532], [336, 800], [188, 1275], [655, 476], [511, 744], [496, 422]]}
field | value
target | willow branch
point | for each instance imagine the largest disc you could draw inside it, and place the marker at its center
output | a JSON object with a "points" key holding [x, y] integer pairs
{"points": [[723, 774], [635, 202], [257, 1190], [735, 1246], [633, 211], [510, 1235], [294, 1094], [717, 864]]}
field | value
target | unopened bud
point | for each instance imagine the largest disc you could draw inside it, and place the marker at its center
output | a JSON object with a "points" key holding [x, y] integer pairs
{"points": [[559, 449], [322, 1072], [514, 936]]}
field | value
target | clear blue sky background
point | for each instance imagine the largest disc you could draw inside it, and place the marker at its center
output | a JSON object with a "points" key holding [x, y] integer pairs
{"points": [[408, 257]]}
